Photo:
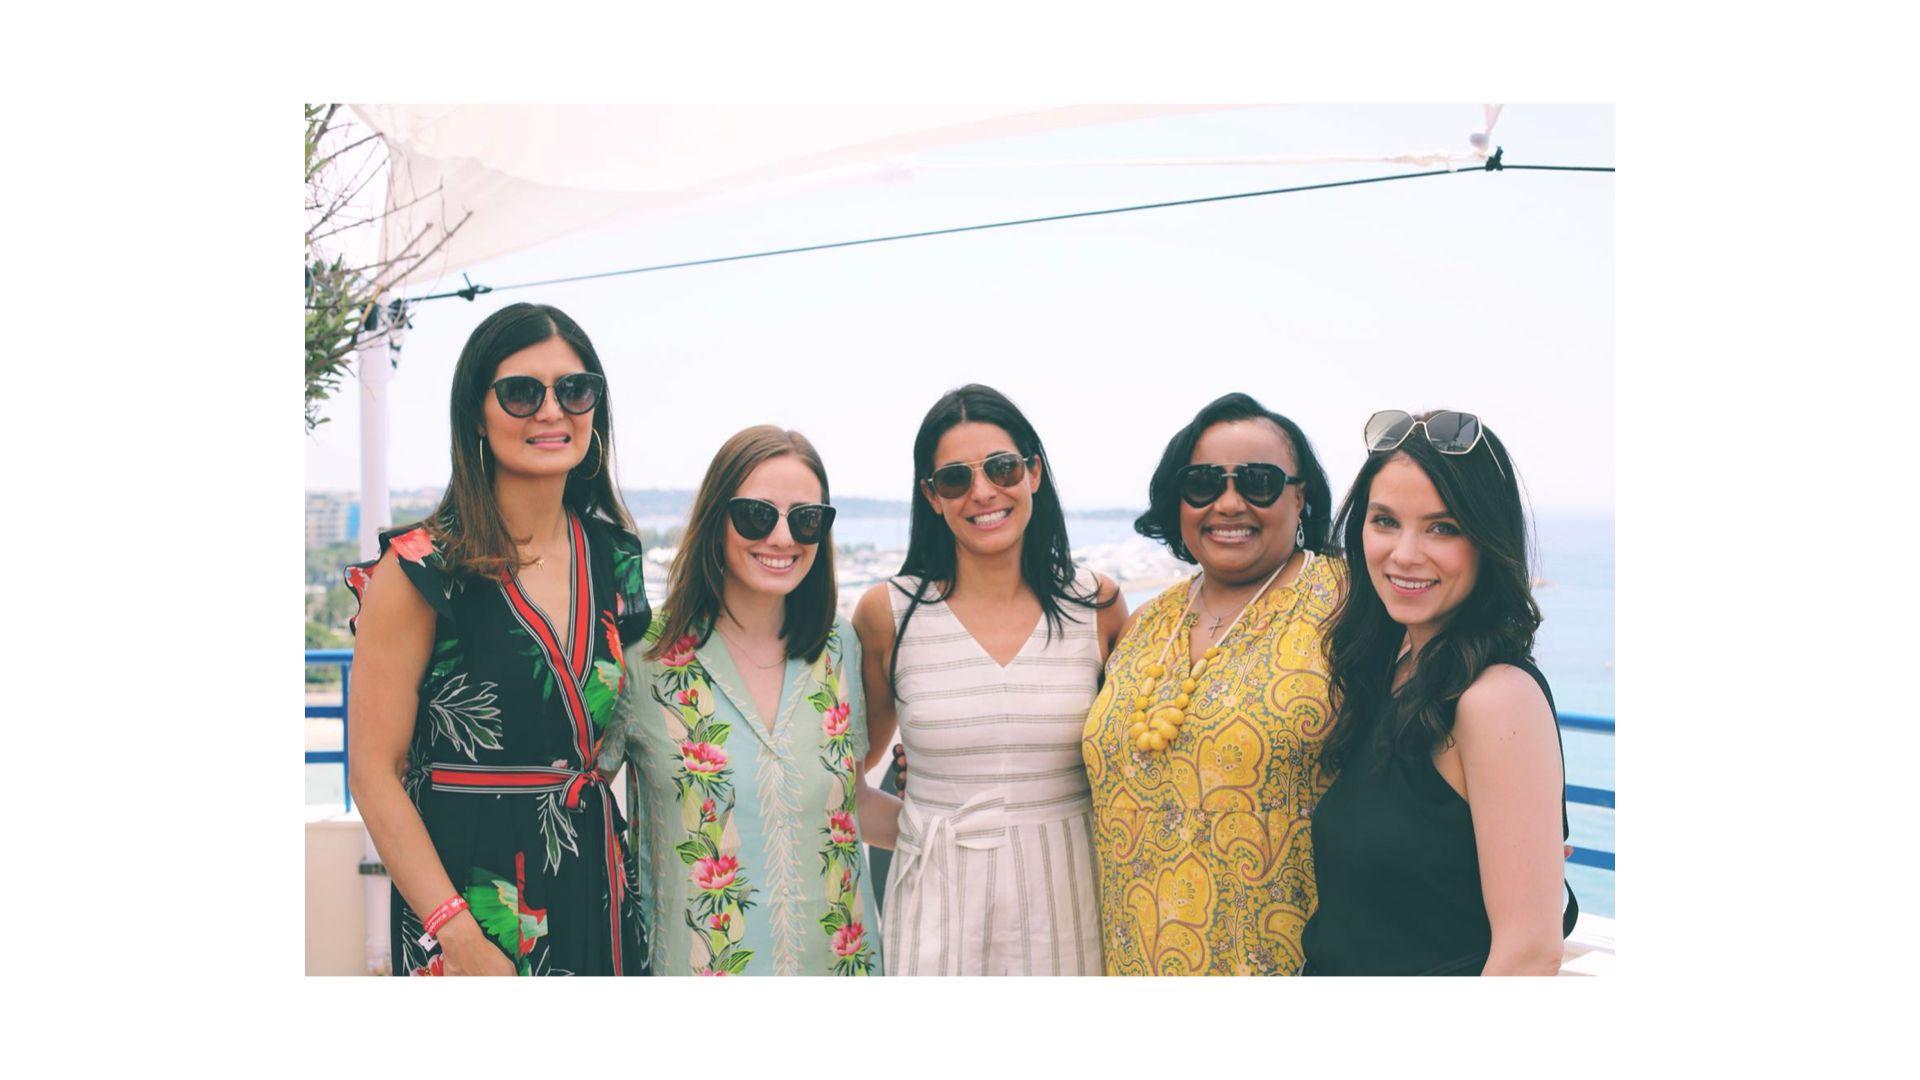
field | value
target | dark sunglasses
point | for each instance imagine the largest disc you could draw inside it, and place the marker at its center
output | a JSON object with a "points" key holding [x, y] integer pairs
{"points": [[522, 395], [1004, 469], [1447, 431], [754, 519], [1259, 483]]}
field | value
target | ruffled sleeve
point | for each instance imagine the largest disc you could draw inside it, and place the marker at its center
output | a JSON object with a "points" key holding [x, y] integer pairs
{"points": [[420, 557], [630, 609]]}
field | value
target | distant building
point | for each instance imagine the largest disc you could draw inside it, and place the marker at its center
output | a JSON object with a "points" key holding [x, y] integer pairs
{"points": [[330, 518]]}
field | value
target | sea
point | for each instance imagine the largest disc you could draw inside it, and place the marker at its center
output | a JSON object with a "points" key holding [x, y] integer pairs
{"points": [[1574, 648]]}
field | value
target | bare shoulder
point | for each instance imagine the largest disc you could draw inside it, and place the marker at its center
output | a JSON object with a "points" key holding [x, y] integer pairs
{"points": [[873, 618], [1502, 702]]}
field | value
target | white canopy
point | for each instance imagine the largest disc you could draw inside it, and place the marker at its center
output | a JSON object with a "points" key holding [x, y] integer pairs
{"points": [[515, 176], [528, 174]]}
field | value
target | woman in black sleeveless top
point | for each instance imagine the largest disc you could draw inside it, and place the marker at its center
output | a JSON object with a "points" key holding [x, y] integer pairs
{"points": [[1435, 850]]}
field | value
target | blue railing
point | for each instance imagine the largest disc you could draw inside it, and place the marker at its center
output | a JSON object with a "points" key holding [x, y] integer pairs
{"points": [[343, 659], [1589, 796]]}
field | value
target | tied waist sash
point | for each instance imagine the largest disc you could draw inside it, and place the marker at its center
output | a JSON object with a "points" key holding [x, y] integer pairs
{"points": [[979, 824], [514, 780]]}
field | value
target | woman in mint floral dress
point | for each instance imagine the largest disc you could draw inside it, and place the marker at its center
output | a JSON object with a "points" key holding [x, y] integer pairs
{"points": [[487, 661], [745, 730]]}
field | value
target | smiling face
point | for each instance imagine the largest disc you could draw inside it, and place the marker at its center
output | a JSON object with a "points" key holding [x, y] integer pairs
{"points": [[988, 519], [1234, 541], [551, 441], [1420, 561], [773, 564]]}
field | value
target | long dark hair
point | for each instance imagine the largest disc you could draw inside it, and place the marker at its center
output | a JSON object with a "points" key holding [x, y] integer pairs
{"points": [[467, 520], [1162, 520], [1494, 624], [696, 593], [1046, 560]]}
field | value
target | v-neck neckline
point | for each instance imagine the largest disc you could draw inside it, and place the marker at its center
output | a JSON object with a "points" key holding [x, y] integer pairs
{"points": [[726, 677], [573, 600], [975, 638]]}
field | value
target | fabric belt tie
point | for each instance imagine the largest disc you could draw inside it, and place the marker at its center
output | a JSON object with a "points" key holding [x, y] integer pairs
{"points": [[522, 780], [932, 831]]}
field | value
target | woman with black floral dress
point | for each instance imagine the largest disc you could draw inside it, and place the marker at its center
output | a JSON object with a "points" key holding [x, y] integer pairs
{"points": [[487, 660]]}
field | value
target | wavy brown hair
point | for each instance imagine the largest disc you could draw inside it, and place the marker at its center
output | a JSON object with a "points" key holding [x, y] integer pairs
{"points": [[696, 593], [1494, 624], [468, 521]]}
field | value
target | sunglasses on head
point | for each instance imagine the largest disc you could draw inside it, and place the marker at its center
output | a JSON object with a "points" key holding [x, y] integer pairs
{"points": [[754, 519], [1004, 469], [1259, 483], [522, 395], [1447, 431]]}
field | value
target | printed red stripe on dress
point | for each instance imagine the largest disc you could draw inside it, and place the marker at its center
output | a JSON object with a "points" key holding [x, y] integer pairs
{"points": [[583, 602], [575, 707], [488, 779]]}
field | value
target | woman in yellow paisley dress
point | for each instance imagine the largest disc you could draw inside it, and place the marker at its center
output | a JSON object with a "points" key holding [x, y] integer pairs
{"points": [[1203, 748]]}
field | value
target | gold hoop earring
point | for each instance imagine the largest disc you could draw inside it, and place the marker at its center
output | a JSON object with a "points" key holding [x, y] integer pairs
{"points": [[593, 439], [483, 451]]}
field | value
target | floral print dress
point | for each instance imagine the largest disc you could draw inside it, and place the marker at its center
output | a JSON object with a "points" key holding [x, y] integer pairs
{"points": [[513, 707], [748, 850]]}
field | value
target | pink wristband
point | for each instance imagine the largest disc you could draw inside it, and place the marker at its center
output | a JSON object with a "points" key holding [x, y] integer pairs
{"points": [[440, 917]]}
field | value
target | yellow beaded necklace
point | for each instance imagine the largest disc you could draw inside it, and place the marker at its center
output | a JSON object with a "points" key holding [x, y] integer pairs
{"points": [[1154, 729]]}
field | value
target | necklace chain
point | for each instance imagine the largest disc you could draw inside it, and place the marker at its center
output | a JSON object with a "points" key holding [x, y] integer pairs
{"points": [[1200, 583], [781, 659], [540, 561]]}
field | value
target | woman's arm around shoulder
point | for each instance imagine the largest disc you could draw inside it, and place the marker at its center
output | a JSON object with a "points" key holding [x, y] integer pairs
{"points": [[873, 623], [1509, 749], [632, 705]]}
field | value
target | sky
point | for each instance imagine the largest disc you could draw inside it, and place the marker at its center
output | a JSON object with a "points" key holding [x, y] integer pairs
{"points": [[1487, 292]]}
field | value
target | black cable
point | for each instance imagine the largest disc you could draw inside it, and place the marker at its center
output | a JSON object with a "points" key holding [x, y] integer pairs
{"points": [[1493, 165]]}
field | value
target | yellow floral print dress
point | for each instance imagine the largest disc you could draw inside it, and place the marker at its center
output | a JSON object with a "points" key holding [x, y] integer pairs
{"points": [[1204, 851]]}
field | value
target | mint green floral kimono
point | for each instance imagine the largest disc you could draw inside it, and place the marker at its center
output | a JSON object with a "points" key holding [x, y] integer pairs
{"points": [[746, 844]]}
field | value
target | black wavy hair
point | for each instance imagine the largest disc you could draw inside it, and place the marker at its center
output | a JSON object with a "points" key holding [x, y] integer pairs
{"points": [[1046, 559], [1494, 624], [1162, 520]]}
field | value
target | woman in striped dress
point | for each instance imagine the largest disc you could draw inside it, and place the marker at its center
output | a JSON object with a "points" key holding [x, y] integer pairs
{"points": [[986, 652]]}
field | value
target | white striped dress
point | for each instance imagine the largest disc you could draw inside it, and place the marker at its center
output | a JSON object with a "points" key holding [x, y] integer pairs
{"points": [[993, 873]]}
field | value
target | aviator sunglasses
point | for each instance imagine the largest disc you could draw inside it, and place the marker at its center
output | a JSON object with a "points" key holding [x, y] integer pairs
{"points": [[754, 519], [1004, 469], [1259, 483], [522, 395], [1447, 431]]}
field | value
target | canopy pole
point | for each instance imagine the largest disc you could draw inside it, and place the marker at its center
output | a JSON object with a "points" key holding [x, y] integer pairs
{"points": [[378, 355]]}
